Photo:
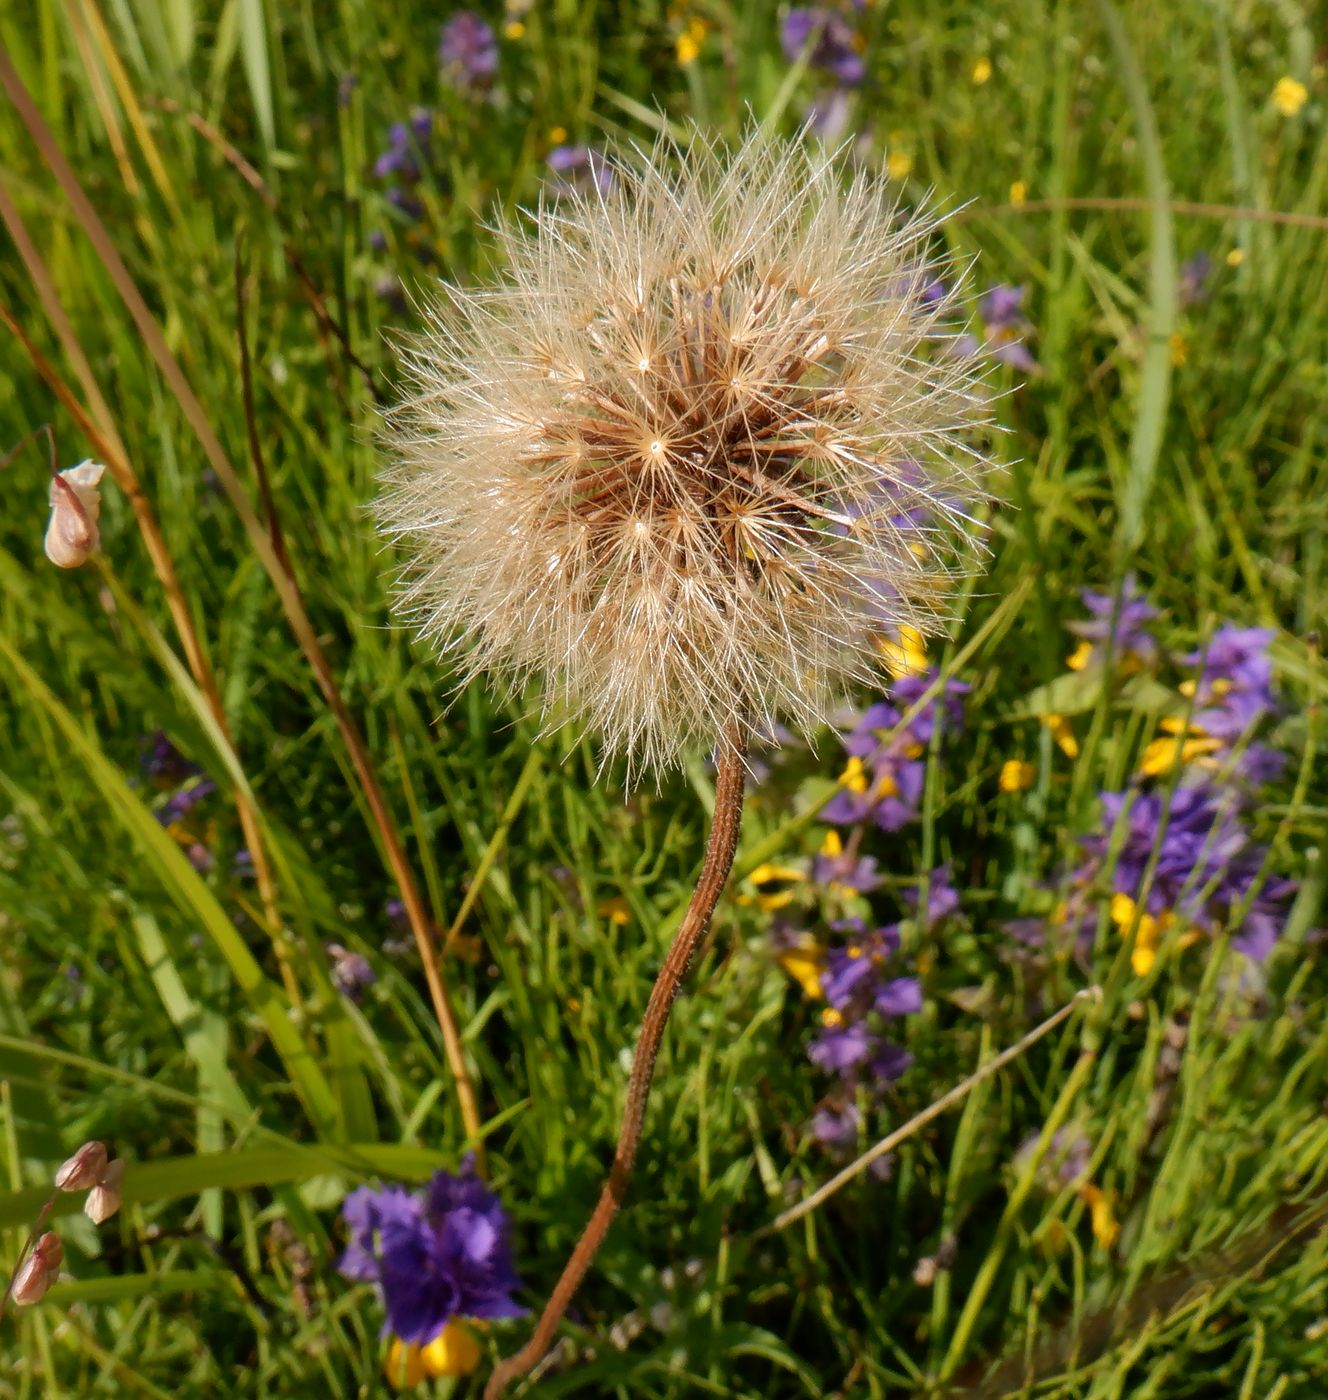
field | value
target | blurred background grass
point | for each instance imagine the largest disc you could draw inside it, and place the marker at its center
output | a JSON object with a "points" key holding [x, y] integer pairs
{"points": [[149, 998]]}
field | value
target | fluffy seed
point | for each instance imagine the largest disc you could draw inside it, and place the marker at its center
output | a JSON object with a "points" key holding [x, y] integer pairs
{"points": [[697, 450]]}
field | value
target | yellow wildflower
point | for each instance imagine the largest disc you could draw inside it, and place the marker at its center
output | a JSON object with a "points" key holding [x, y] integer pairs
{"points": [[1016, 775], [615, 910], [558, 135], [1235, 257], [688, 45], [898, 165], [854, 776], [906, 656], [1078, 658], [1063, 734], [1019, 193], [1289, 96], [981, 71], [405, 1366], [1106, 1228], [514, 29], [804, 964], [455, 1351], [1162, 754]]}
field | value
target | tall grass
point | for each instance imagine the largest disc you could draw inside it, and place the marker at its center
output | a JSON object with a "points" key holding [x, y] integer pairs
{"points": [[191, 1017]]}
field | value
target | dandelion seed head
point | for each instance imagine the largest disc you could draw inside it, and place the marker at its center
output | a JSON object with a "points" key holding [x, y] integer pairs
{"points": [[701, 445]]}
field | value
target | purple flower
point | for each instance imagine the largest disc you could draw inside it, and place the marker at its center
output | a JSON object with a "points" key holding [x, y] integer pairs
{"points": [[580, 170], [836, 1126], [1118, 629], [835, 46], [468, 51], [1194, 275], [889, 1063], [163, 762], [901, 996], [848, 872], [942, 897], [443, 1256], [946, 706], [1235, 687], [352, 974], [1007, 329], [840, 1048], [407, 150], [180, 804]]}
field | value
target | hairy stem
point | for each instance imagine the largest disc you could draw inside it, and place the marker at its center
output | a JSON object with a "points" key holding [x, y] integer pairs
{"points": [[720, 849]]}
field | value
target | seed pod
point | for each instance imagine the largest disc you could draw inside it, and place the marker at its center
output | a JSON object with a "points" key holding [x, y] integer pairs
{"points": [[83, 1169], [104, 1198], [72, 534]]}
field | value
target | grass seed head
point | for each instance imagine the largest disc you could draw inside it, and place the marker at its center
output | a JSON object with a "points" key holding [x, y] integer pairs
{"points": [[700, 446]]}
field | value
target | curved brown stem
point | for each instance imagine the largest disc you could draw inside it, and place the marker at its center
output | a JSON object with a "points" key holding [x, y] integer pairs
{"points": [[720, 849]]}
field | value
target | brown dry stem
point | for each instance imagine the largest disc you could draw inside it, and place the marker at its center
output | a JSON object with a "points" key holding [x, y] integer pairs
{"points": [[720, 849]]}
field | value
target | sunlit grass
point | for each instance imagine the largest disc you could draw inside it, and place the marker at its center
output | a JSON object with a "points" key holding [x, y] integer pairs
{"points": [[145, 1003]]}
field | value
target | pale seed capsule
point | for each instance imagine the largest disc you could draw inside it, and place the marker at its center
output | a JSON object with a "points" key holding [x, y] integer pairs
{"points": [[31, 1282], [104, 1198], [83, 1169], [72, 534]]}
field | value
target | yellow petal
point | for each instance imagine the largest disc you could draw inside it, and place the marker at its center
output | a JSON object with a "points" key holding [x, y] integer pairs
{"points": [[981, 71], [1078, 658], [1106, 1229], [1016, 776], [404, 1367], [455, 1351], [1289, 96], [1063, 734], [804, 966]]}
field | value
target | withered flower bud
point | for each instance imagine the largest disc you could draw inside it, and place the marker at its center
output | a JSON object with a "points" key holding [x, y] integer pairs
{"points": [[72, 534], [83, 1169], [104, 1198]]}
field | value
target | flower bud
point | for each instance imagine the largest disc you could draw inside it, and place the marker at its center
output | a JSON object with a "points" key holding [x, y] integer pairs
{"points": [[31, 1281], [72, 533], [50, 1249], [104, 1198], [83, 1169]]}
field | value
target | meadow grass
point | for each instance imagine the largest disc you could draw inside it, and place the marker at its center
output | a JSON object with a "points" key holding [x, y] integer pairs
{"points": [[165, 1010]]}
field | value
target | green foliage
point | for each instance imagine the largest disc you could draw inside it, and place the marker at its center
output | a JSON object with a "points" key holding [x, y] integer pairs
{"points": [[154, 1005]]}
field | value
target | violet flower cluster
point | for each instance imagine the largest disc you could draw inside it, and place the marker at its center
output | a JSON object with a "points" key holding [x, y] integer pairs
{"points": [[1173, 851], [887, 752], [436, 1255], [834, 49]]}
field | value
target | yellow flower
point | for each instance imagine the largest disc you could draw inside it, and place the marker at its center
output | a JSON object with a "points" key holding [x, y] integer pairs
{"points": [[558, 135], [1146, 937], [1078, 658], [1106, 1228], [1019, 193], [804, 965], [455, 1351], [831, 1018], [1289, 96], [1063, 734], [1180, 349], [908, 655], [1235, 257], [854, 777], [405, 1366], [1162, 754], [981, 71], [1016, 776], [615, 910], [898, 165], [514, 29], [688, 44], [767, 874]]}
